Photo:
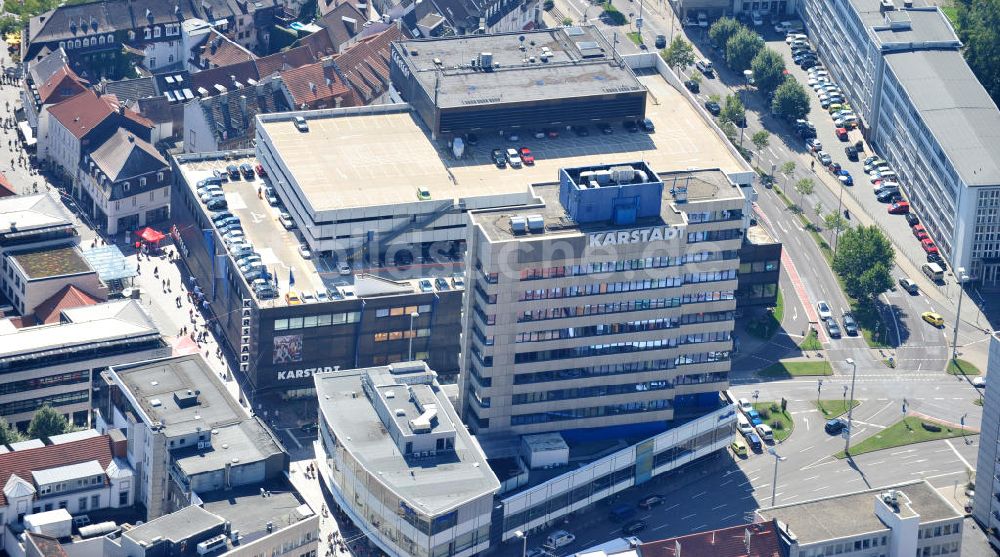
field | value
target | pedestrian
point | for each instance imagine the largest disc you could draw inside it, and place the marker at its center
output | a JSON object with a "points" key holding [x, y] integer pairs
{"points": [[156, 271]]}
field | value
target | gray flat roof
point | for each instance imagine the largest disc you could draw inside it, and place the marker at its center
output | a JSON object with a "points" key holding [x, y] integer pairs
{"points": [[923, 25], [176, 526], [853, 514], [379, 159], [38, 212], [248, 512], [110, 322], [581, 63], [703, 185], [956, 109], [432, 485], [239, 444], [154, 384]]}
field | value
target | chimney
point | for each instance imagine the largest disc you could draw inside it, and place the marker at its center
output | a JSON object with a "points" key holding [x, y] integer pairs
{"points": [[243, 107], [312, 87]]}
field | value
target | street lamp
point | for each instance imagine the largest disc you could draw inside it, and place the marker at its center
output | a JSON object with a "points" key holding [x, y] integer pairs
{"points": [[850, 408], [961, 277], [524, 542], [755, 395], [413, 316], [819, 391], [774, 485]]}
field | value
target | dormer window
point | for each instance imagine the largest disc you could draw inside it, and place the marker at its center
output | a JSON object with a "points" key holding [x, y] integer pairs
{"points": [[157, 32], [149, 32], [131, 35], [111, 38], [100, 39], [86, 43]]}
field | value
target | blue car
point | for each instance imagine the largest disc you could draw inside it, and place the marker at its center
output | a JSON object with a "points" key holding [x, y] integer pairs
{"points": [[754, 418], [845, 177]]}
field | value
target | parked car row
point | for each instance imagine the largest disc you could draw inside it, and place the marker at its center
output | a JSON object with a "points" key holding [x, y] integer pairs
{"points": [[833, 328], [752, 426]]}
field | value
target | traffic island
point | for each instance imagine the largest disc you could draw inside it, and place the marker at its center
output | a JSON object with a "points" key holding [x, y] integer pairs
{"points": [[811, 342], [780, 421], [834, 407], [907, 431], [962, 367], [795, 368]]}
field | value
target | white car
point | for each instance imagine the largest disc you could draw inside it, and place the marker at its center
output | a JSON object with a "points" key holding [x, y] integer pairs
{"points": [[308, 298], [286, 220], [343, 268], [824, 310], [979, 382], [559, 538], [744, 405], [304, 251], [513, 158], [792, 37], [765, 432], [743, 424]]}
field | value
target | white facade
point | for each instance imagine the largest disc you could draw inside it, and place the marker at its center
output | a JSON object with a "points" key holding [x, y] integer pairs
{"points": [[58, 146], [986, 505]]}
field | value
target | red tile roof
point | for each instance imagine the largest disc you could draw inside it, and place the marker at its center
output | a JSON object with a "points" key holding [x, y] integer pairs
{"points": [[285, 60], [62, 85], [365, 64], [50, 311], [316, 86], [82, 113], [24, 462], [725, 542], [220, 51]]}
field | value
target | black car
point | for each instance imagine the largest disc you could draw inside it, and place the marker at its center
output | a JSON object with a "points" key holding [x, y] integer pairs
{"points": [[692, 86], [217, 204], [499, 158], [651, 501], [889, 197], [713, 108], [247, 171], [661, 42], [850, 325], [472, 139], [808, 63], [630, 126], [911, 219], [835, 426], [441, 284], [936, 258], [832, 327], [807, 133], [581, 131], [234, 172], [647, 125], [851, 152], [634, 527]]}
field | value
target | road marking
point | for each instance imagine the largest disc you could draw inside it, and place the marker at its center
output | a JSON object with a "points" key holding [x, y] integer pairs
{"points": [[807, 448], [811, 478], [880, 411], [700, 494], [761, 486], [719, 507], [671, 507], [806, 421], [730, 516], [959, 455], [699, 528], [945, 474], [804, 411], [689, 516], [660, 527], [820, 488], [725, 482], [902, 452], [745, 483]]}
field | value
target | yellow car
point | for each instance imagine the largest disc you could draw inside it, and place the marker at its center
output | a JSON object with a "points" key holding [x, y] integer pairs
{"points": [[739, 448], [292, 298], [933, 318]]}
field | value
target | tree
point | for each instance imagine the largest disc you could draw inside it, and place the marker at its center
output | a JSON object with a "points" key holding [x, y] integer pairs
{"points": [[733, 111], [741, 49], [835, 222], [679, 54], [695, 78], [8, 433], [790, 100], [768, 70], [722, 29], [729, 129], [818, 209], [760, 140], [788, 168], [864, 261], [47, 422], [979, 30], [805, 187]]}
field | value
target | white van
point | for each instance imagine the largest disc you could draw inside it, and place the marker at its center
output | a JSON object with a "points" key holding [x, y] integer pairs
{"points": [[765, 433], [933, 271], [559, 538], [744, 405], [743, 424]]}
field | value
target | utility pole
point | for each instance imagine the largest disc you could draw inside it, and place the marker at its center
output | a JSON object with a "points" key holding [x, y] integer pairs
{"points": [[961, 277], [850, 408]]}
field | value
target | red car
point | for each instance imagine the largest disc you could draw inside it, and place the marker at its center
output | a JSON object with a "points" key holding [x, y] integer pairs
{"points": [[841, 134], [928, 245], [899, 208], [919, 231], [260, 170], [526, 156]]}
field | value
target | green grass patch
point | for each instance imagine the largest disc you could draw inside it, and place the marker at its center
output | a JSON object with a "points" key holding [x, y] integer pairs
{"points": [[952, 13], [875, 332], [811, 342], [781, 423], [612, 16], [907, 431], [962, 367], [635, 37], [797, 369], [834, 407]]}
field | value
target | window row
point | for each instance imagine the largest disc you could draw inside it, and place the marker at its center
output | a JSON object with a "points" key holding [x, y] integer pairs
{"points": [[58, 379], [403, 334], [591, 412], [599, 267], [620, 347], [402, 310], [87, 42], [324, 320], [597, 330], [587, 392], [624, 286], [714, 235]]}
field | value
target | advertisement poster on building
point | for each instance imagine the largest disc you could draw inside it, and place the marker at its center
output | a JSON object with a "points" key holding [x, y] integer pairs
{"points": [[287, 349]]}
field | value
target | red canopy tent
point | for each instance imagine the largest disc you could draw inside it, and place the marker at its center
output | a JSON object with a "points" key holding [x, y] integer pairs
{"points": [[150, 235]]}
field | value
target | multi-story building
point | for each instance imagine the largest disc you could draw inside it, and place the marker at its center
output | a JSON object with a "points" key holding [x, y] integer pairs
{"points": [[186, 433], [899, 521], [128, 181], [986, 504], [55, 363], [609, 302], [36, 275], [925, 112], [397, 459], [76, 474]]}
